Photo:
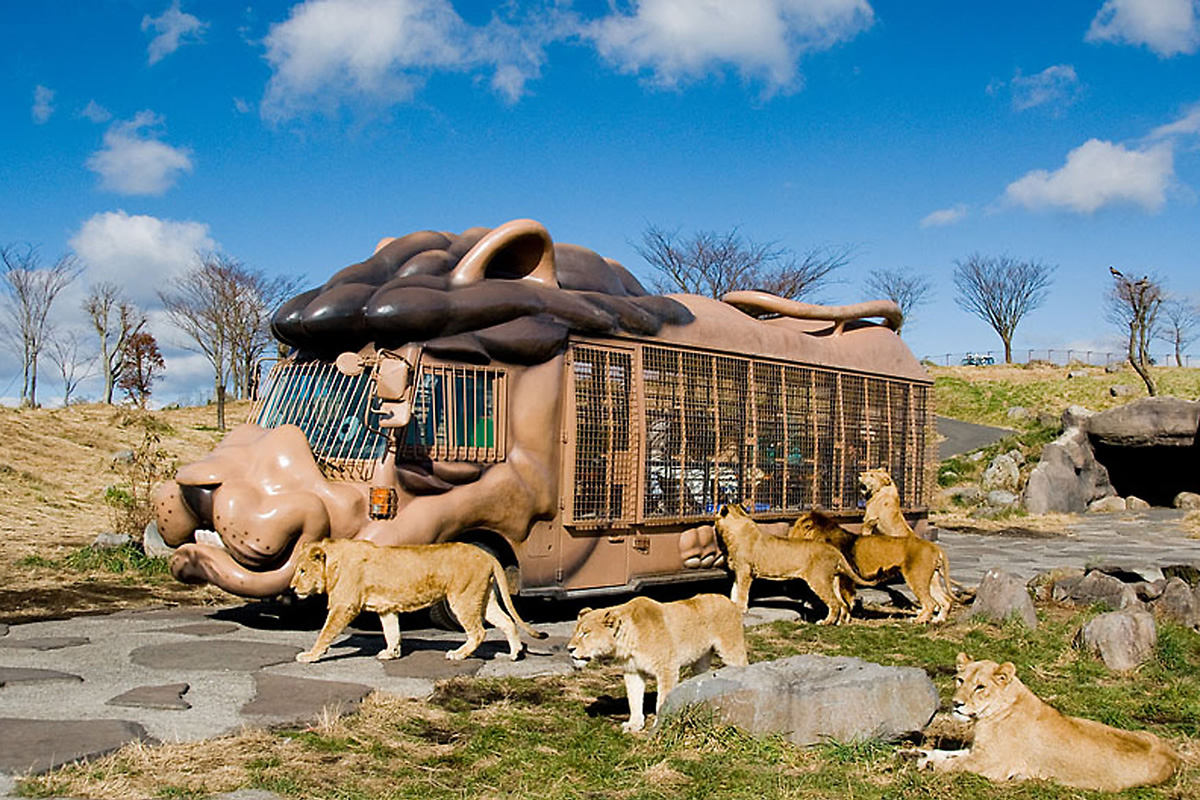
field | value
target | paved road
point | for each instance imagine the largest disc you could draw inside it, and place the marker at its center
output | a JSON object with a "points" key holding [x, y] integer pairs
{"points": [[958, 437], [84, 686]]}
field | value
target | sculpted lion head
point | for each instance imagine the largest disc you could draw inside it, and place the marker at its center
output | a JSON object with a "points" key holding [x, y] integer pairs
{"points": [[984, 688]]}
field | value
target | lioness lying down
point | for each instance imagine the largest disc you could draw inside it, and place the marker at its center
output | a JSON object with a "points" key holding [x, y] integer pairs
{"points": [[655, 639], [1017, 736], [754, 554], [358, 575], [922, 564]]}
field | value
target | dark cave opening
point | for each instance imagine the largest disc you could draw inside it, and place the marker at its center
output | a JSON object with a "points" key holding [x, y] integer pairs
{"points": [[1156, 474]]}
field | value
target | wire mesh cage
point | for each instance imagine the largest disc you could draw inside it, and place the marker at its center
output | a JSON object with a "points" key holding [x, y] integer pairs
{"points": [[661, 434], [335, 411]]}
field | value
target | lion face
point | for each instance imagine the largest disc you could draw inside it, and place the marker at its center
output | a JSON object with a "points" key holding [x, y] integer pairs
{"points": [[593, 637], [309, 577], [872, 481], [984, 688]]}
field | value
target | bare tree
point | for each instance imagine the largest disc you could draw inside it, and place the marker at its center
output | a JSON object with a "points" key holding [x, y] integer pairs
{"points": [[1001, 291], [1180, 318], [905, 287], [1134, 305], [141, 365], [29, 292], [713, 264], [255, 298], [73, 363], [114, 319]]}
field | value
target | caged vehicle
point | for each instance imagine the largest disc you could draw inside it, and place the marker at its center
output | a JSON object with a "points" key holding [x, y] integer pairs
{"points": [[532, 398]]}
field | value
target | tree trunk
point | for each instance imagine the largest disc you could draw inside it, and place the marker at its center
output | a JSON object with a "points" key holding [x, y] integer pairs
{"points": [[1007, 350], [220, 406], [1137, 361]]}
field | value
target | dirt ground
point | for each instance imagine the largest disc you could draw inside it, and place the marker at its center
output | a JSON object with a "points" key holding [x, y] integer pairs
{"points": [[55, 465]]}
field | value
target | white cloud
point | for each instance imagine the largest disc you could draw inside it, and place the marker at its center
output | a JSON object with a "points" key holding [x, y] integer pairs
{"points": [[1099, 174], [1167, 27], [945, 216], [1057, 85], [1187, 125], [678, 40], [332, 51], [241, 106], [43, 104], [95, 112], [173, 28], [134, 161], [138, 253]]}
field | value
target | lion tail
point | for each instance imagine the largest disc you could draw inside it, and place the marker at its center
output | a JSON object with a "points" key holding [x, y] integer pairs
{"points": [[845, 568], [502, 588]]}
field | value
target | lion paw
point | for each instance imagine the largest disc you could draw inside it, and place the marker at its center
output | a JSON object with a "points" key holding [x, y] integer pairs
{"points": [[633, 726], [387, 655], [307, 657], [455, 655]]}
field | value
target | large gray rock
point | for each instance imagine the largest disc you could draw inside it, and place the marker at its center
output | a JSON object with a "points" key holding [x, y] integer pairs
{"points": [[153, 544], [811, 698], [1068, 477], [1123, 639], [1178, 603], [1002, 474], [1135, 503], [1149, 422], [1096, 589], [1002, 596]]}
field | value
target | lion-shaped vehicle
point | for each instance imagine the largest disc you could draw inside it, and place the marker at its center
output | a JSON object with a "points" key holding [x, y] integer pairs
{"points": [[532, 398]]}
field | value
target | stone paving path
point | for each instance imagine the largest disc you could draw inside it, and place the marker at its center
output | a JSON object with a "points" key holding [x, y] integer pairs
{"points": [[84, 686]]}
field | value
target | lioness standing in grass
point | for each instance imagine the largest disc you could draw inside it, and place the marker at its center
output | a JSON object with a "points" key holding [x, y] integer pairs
{"points": [[1019, 737], [657, 640], [753, 554], [358, 575]]}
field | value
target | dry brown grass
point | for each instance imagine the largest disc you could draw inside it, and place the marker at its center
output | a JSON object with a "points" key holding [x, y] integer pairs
{"points": [[961, 520], [54, 467]]}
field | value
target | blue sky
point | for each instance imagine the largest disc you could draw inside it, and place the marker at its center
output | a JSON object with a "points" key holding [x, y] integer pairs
{"points": [[295, 135]]}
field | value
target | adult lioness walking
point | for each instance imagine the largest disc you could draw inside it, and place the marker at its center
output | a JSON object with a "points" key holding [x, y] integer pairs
{"points": [[657, 640], [753, 554], [1020, 737], [358, 575]]}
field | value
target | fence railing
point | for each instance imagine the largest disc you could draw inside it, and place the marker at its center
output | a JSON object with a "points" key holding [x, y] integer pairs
{"points": [[1095, 358]]}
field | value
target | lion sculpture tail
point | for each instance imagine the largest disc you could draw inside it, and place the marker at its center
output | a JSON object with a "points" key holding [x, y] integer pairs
{"points": [[502, 588]]}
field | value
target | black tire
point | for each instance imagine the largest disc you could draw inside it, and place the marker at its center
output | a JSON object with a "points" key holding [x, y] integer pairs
{"points": [[440, 615]]}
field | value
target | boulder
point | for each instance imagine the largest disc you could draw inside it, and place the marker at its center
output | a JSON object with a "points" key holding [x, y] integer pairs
{"points": [[1107, 504], [1068, 477], [1122, 390], [999, 498], [1018, 413], [110, 541], [1042, 585], [1096, 589], [1077, 373], [1002, 596], [1001, 474], [1188, 501], [1123, 639], [1135, 503], [964, 495], [1148, 591], [1149, 422], [809, 698], [1178, 603], [1017, 456], [1112, 369]]}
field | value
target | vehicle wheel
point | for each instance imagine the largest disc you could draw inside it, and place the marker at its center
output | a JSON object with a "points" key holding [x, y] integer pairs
{"points": [[442, 617]]}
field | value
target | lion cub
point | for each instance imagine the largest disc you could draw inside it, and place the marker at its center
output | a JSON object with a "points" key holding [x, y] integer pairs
{"points": [[1018, 736], [922, 564], [655, 639], [359, 575], [754, 554]]}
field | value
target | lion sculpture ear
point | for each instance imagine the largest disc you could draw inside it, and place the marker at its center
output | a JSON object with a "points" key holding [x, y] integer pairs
{"points": [[1005, 672]]}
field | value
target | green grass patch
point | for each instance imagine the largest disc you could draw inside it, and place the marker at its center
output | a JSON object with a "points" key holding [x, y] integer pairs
{"points": [[128, 559]]}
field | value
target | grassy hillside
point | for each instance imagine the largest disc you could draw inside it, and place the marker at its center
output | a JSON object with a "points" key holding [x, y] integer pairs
{"points": [[985, 394]]}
